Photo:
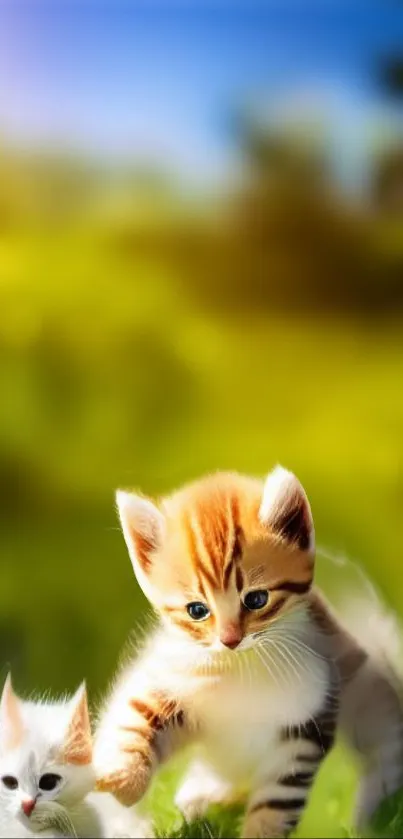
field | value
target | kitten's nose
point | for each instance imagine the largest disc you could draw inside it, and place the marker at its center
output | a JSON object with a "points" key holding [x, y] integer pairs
{"points": [[28, 805], [231, 638], [231, 644]]}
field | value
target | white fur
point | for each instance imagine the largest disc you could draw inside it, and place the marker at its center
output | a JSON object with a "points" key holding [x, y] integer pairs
{"points": [[69, 810], [45, 727], [281, 485], [140, 514], [277, 486]]}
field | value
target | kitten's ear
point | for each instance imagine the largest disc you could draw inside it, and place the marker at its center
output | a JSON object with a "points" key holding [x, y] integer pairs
{"points": [[11, 722], [77, 747], [285, 509], [143, 529]]}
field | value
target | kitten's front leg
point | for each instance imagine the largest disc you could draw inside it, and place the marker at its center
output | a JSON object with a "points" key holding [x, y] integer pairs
{"points": [[278, 801], [126, 775], [134, 737]]}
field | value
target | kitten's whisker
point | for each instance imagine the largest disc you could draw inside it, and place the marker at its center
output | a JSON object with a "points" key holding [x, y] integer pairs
{"points": [[250, 672], [273, 663], [289, 659], [278, 651], [279, 632], [301, 648], [61, 819], [314, 675], [291, 639], [288, 666], [296, 656], [241, 666], [317, 677], [264, 662]]}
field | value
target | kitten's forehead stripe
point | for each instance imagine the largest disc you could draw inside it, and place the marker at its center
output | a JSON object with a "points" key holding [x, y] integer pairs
{"points": [[208, 578], [211, 551], [213, 532], [239, 579], [236, 545], [236, 554], [228, 572], [206, 573], [235, 511], [193, 553]]}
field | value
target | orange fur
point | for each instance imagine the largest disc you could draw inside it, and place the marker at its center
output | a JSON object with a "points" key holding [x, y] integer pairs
{"points": [[77, 748], [215, 547]]}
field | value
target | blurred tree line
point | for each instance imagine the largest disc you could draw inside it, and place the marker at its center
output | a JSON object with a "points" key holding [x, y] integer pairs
{"points": [[284, 236], [100, 269]]}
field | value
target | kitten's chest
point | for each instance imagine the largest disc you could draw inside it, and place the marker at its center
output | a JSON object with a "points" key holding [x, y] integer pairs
{"points": [[230, 701], [241, 714]]}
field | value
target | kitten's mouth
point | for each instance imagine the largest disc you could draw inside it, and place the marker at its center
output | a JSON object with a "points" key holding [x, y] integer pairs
{"points": [[225, 648], [222, 658], [30, 822], [53, 816]]}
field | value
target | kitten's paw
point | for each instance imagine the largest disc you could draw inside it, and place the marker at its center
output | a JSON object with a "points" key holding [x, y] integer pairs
{"points": [[201, 788], [129, 783]]}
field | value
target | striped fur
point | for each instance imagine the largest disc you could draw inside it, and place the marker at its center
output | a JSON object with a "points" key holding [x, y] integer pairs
{"points": [[262, 690]]}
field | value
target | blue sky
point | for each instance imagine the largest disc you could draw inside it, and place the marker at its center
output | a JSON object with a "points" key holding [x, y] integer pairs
{"points": [[158, 79]]}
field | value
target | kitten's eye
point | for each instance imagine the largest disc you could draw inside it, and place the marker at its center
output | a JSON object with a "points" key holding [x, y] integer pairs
{"points": [[10, 782], [198, 611], [256, 599], [49, 781]]}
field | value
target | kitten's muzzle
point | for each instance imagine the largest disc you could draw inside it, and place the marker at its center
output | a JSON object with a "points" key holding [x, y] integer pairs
{"points": [[28, 805]]}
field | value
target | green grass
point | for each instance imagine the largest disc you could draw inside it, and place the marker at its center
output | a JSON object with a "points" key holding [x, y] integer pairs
{"points": [[329, 813]]}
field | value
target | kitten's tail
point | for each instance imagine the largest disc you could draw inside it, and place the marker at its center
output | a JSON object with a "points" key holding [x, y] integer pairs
{"points": [[372, 715], [364, 614], [377, 630]]}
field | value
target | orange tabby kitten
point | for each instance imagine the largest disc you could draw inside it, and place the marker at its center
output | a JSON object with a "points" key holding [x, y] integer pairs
{"points": [[248, 661]]}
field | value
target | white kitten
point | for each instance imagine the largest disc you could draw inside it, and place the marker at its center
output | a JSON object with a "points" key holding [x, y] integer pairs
{"points": [[46, 773]]}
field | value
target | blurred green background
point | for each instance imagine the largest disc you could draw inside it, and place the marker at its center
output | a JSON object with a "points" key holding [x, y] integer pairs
{"points": [[155, 327]]}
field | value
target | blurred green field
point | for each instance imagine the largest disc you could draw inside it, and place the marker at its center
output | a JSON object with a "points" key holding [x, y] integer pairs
{"points": [[112, 377]]}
